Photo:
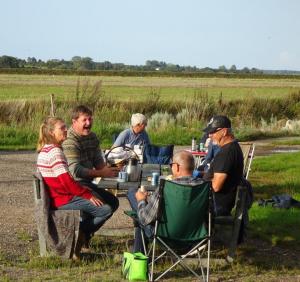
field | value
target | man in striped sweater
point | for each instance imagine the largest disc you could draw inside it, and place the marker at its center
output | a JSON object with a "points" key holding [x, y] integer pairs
{"points": [[84, 156]]}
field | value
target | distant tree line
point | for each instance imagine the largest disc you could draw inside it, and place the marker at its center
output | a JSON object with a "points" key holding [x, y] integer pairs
{"points": [[87, 64]]}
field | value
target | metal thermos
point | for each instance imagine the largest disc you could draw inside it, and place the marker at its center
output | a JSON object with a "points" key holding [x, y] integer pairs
{"points": [[133, 170]]}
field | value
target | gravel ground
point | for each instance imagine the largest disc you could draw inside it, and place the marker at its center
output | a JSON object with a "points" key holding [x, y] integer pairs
{"points": [[17, 231], [17, 226]]}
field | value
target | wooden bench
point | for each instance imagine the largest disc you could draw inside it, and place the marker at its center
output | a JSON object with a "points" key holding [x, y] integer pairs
{"points": [[57, 229]]}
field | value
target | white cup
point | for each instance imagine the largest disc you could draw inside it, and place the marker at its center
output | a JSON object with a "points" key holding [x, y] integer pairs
{"points": [[143, 189]]}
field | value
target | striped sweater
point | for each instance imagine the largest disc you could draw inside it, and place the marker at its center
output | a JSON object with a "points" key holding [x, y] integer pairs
{"points": [[83, 153], [53, 166]]}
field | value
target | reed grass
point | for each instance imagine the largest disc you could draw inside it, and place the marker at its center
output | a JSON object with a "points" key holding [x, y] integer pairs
{"points": [[175, 121]]}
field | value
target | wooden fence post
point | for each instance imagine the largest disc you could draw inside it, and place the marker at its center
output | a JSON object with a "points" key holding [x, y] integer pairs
{"points": [[52, 110]]}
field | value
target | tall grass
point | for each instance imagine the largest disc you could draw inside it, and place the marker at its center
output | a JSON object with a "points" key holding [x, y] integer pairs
{"points": [[169, 122]]}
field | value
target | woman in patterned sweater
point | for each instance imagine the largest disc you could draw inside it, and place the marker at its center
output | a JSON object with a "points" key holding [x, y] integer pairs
{"points": [[64, 191]]}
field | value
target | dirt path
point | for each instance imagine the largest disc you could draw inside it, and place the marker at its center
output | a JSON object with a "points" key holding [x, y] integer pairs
{"points": [[17, 226]]}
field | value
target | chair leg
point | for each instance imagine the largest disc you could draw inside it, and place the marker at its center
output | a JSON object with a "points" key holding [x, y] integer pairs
{"points": [[152, 261], [179, 261], [153, 253], [143, 240], [236, 229], [234, 240]]}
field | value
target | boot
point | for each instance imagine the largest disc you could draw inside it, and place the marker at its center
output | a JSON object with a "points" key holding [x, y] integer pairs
{"points": [[86, 245], [79, 244]]}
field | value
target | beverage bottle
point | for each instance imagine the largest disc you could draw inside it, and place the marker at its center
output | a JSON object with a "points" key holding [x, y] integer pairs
{"points": [[201, 147], [194, 148]]}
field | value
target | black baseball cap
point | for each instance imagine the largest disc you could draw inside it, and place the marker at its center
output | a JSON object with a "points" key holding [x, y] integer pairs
{"points": [[217, 122]]}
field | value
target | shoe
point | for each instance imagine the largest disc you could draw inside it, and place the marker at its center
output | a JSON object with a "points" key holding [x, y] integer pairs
{"points": [[76, 258], [86, 250]]}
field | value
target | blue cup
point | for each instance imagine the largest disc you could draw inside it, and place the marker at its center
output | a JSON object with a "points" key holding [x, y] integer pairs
{"points": [[155, 177], [125, 175], [122, 176]]}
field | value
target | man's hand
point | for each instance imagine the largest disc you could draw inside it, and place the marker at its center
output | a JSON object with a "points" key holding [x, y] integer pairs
{"points": [[140, 196], [103, 171], [109, 171], [96, 201]]}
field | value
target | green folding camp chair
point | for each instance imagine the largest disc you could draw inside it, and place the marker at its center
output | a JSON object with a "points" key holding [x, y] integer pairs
{"points": [[184, 222]]}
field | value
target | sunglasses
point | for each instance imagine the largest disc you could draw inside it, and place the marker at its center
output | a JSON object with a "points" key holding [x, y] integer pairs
{"points": [[215, 131]]}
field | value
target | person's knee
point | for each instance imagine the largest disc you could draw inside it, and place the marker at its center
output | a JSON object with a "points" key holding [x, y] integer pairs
{"points": [[108, 198], [131, 191], [131, 198], [105, 211]]}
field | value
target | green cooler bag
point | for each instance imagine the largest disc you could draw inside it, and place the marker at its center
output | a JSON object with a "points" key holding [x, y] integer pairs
{"points": [[135, 266]]}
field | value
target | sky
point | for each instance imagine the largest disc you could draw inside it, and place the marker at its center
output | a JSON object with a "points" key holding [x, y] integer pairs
{"points": [[264, 34]]}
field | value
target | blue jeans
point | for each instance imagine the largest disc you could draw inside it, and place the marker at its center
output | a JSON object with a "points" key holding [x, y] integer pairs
{"points": [[104, 195], [93, 217], [148, 229]]}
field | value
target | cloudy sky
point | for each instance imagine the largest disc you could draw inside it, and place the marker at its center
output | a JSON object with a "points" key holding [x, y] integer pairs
{"points": [[248, 33]]}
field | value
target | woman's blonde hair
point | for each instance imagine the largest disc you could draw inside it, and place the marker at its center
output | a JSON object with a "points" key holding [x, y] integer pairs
{"points": [[46, 128]]}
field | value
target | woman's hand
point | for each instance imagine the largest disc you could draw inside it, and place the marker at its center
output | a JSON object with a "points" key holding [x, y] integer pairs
{"points": [[96, 201], [88, 188]]}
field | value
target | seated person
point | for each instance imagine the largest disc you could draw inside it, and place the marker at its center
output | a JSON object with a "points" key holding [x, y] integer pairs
{"points": [[84, 156], [136, 135], [147, 206], [226, 169], [65, 193], [213, 149]]}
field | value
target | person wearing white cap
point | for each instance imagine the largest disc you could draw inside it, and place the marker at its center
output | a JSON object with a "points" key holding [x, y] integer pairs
{"points": [[136, 134]]}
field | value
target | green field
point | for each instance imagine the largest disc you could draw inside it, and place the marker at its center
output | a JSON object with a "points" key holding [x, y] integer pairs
{"points": [[128, 88]]}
